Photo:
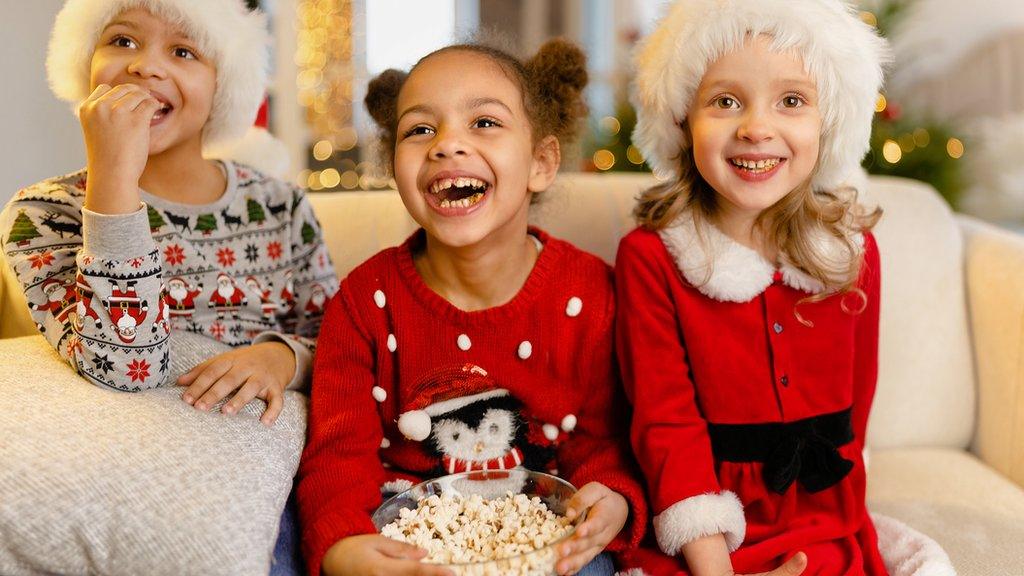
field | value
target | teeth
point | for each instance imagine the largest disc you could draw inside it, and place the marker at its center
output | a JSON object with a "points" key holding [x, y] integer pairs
{"points": [[757, 165], [463, 203], [460, 182]]}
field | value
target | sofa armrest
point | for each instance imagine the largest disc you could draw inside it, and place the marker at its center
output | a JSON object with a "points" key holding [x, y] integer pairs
{"points": [[994, 272], [15, 320]]}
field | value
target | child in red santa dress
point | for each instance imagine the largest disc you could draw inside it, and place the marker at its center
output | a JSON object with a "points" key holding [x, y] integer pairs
{"points": [[480, 342], [749, 295], [113, 259]]}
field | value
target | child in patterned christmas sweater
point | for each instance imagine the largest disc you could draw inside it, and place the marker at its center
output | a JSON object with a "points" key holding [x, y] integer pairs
{"points": [[153, 250], [480, 343]]}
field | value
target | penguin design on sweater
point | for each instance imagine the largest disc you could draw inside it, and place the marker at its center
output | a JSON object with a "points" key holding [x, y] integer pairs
{"points": [[470, 424]]}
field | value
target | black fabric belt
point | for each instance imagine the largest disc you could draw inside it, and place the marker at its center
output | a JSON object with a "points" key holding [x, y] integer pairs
{"points": [[805, 450]]}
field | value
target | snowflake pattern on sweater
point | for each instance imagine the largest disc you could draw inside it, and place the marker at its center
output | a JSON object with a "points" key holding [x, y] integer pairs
{"points": [[106, 291]]}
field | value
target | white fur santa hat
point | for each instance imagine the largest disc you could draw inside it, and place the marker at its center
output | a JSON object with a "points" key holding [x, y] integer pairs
{"points": [[445, 391], [225, 30], [843, 55]]}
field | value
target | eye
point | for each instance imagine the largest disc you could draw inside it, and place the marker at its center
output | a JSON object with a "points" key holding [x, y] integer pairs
{"points": [[792, 101], [486, 123], [494, 428], [455, 436], [417, 131], [185, 53], [726, 102], [123, 42]]}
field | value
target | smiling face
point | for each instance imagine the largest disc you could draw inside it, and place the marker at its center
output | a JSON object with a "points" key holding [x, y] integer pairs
{"points": [[465, 161], [139, 48], [755, 127]]}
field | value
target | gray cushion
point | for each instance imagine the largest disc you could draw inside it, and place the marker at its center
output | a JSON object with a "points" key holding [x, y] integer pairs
{"points": [[101, 482]]}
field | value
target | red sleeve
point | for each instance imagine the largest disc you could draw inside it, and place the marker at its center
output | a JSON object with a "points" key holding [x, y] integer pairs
{"points": [[865, 366], [340, 472], [669, 434], [598, 450]]}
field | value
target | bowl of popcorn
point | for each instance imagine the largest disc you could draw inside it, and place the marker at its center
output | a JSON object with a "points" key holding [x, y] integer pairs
{"points": [[484, 523]]}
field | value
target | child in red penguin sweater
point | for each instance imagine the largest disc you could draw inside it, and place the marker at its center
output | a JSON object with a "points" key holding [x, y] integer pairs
{"points": [[479, 343], [749, 296]]}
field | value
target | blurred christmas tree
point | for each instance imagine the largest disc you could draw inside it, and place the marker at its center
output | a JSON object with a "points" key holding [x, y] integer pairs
{"points": [[909, 143]]}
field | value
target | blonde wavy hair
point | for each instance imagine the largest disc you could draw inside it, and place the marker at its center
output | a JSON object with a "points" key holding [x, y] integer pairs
{"points": [[791, 225]]}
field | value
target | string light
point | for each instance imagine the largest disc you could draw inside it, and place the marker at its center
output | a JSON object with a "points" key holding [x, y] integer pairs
{"points": [[633, 155], [891, 152], [604, 159], [322, 150], [611, 125], [325, 78], [880, 104], [955, 148], [330, 178], [921, 138]]}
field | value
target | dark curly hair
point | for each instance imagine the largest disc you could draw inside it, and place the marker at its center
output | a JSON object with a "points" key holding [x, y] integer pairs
{"points": [[551, 83]]}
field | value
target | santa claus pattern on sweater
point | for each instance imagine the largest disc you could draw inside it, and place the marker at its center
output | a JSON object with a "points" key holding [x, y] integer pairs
{"points": [[106, 291], [406, 387]]}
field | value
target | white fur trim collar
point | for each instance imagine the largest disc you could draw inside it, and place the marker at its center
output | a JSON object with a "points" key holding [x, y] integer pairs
{"points": [[729, 271]]}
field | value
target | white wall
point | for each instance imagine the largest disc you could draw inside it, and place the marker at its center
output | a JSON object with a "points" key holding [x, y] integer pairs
{"points": [[39, 136]]}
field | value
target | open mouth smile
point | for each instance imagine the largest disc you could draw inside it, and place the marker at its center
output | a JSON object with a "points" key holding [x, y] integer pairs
{"points": [[756, 170], [457, 194]]}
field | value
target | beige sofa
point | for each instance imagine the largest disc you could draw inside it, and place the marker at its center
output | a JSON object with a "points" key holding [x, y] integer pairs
{"points": [[947, 433]]}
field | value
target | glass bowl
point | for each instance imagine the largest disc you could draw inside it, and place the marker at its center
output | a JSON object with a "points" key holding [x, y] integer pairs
{"points": [[554, 492]]}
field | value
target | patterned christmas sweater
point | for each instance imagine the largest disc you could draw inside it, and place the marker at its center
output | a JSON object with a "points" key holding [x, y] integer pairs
{"points": [[406, 387], [107, 291]]}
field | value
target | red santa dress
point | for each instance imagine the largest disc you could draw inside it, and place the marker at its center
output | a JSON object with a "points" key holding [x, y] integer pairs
{"points": [[748, 422]]}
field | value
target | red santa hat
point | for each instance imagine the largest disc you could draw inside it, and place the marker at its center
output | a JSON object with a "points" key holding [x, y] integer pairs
{"points": [[444, 391]]}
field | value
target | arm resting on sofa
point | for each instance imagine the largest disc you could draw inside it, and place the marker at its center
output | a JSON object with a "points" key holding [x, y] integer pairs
{"points": [[995, 290]]}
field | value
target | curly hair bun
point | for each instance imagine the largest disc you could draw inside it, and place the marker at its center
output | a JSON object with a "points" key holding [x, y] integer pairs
{"points": [[557, 74], [382, 97]]}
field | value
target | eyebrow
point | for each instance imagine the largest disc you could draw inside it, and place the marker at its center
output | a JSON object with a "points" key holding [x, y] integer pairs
{"points": [[731, 84], [124, 23], [175, 34], [472, 104]]}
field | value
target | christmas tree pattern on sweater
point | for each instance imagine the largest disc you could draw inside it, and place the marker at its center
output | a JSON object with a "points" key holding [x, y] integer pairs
{"points": [[251, 263]]}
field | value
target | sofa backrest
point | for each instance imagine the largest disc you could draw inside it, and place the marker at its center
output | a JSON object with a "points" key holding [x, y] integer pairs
{"points": [[926, 385]]}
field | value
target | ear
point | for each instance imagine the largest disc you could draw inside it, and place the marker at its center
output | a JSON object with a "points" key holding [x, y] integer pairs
{"points": [[547, 157]]}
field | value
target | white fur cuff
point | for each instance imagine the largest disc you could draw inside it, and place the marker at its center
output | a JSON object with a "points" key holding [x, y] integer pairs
{"points": [[699, 516]]}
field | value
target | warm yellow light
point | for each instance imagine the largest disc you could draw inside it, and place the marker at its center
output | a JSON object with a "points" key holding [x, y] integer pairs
{"points": [[921, 138], [633, 155], [350, 179], [347, 138], [322, 150], [314, 181], [604, 159], [330, 178], [880, 104], [869, 18], [891, 152], [955, 148], [907, 143], [302, 179], [611, 125]]}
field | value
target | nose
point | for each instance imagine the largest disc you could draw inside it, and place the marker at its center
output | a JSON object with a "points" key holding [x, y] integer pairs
{"points": [[479, 447], [147, 64], [755, 126], [447, 144]]}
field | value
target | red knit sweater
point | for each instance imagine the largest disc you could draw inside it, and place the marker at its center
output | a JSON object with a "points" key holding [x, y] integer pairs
{"points": [[551, 347]]}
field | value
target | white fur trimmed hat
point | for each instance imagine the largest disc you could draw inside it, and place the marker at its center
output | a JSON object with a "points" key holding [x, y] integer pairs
{"points": [[843, 55], [225, 30]]}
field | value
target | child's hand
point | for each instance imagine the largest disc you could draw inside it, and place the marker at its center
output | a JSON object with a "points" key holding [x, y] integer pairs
{"points": [[115, 122], [607, 515], [373, 555], [258, 371]]}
